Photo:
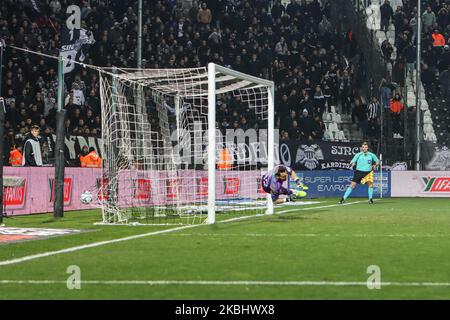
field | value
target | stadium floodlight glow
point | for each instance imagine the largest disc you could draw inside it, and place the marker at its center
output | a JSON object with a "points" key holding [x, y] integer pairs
{"points": [[160, 165]]}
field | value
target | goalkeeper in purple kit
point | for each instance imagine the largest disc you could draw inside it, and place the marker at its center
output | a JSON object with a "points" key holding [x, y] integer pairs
{"points": [[273, 182]]}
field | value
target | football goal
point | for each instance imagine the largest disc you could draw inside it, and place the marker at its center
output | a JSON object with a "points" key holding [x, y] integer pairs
{"points": [[181, 145]]}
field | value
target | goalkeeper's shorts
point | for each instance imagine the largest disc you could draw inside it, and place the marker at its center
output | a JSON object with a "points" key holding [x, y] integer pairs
{"points": [[363, 177]]}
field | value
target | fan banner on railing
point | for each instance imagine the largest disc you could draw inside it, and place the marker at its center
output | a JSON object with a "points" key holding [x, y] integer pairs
{"points": [[320, 155], [75, 44], [435, 157], [75, 41]]}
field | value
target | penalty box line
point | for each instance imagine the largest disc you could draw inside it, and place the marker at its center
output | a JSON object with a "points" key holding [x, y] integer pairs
{"points": [[143, 235], [230, 283]]}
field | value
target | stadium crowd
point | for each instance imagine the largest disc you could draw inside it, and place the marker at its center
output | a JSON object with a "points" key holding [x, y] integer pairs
{"points": [[295, 45], [435, 50]]}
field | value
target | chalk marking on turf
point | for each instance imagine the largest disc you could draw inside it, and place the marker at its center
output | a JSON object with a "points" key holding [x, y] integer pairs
{"points": [[291, 235], [321, 207], [101, 243], [230, 283]]}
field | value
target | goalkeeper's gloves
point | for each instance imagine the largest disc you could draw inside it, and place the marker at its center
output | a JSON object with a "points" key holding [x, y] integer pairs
{"points": [[296, 195], [300, 184]]}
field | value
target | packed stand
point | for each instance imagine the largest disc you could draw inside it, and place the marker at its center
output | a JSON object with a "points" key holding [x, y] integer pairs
{"points": [[296, 46], [435, 55]]}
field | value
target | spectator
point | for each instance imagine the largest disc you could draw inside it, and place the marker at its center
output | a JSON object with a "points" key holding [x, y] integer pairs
{"points": [[319, 128], [55, 6], [409, 53], [360, 114], [387, 49], [345, 89], [386, 15], [413, 26], [32, 149], [428, 20], [285, 136], [277, 10], [283, 112], [294, 131], [444, 60], [204, 15], [91, 160], [444, 79], [81, 156], [319, 101], [307, 126], [396, 109], [438, 39], [242, 36], [443, 19], [373, 120], [15, 156]]}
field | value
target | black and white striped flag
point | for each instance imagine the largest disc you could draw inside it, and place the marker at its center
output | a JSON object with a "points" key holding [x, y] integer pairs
{"points": [[75, 44]]}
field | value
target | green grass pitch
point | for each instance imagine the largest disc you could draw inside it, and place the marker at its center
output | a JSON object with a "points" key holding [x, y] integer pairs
{"points": [[318, 251]]}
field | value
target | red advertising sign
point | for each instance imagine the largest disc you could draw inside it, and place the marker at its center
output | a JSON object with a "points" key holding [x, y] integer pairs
{"points": [[436, 184], [102, 187], [14, 196], [142, 189], [259, 184], [67, 192], [232, 185], [202, 186], [173, 187]]}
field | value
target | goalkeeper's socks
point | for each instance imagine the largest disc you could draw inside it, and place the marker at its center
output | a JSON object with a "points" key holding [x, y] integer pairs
{"points": [[370, 192], [347, 193]]}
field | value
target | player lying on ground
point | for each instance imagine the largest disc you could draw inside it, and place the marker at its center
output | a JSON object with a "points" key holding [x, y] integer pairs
{"points": [[272, 182], [365, 162]]}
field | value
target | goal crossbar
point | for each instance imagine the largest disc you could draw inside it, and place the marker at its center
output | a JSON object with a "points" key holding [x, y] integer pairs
{"points": [[213, 69]]}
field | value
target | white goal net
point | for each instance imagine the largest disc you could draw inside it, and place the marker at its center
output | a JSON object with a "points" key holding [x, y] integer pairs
{"points": [[157, 125]]}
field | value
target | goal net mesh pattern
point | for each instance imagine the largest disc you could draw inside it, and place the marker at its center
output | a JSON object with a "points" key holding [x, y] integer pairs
{"points": [[155, 136]]}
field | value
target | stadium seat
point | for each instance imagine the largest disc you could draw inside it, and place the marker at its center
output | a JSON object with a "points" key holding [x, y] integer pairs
{"points": [[333, 109], [427, 128], [340, 136], [430, 136], [327, 117], [335, 117], [427, 119], [328, 135], [390, 34], [333, 127]]}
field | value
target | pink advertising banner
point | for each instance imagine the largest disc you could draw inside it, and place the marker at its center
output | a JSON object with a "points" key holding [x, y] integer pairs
{"points": [[420, 184], [36, 193]]}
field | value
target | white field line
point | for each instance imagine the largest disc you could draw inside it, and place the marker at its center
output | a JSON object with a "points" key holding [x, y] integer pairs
{"points": [[320, 207], [231, 283], [312, 235], [102, 243]]}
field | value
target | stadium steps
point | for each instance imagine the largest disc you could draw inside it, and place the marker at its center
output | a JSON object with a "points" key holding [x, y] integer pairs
{"points": [[351, 131]]}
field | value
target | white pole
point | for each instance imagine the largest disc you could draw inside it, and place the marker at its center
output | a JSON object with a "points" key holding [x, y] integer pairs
{"points": [[270, 141], [211, 143], [177, 116], [139, 53], [418, 99], [381, 175]]}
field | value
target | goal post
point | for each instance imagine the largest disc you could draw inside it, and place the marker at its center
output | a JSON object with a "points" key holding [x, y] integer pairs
{"points": [[184, 144], [212, 69]]}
